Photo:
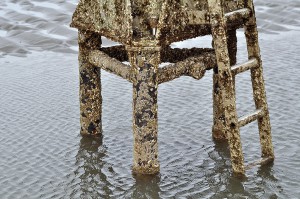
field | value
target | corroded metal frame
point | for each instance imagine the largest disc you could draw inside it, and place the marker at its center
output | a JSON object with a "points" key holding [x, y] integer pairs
{"points": [[146, 35], [90, 85]]}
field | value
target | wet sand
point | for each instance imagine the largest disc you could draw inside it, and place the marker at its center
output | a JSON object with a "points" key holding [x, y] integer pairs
{"points": [[42, 154]]}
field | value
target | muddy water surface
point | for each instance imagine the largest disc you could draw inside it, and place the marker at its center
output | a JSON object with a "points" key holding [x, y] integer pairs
{"points": [[42, 154]]}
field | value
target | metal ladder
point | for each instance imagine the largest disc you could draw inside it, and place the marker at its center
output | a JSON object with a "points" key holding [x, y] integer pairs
{"points": [[225, 74]]}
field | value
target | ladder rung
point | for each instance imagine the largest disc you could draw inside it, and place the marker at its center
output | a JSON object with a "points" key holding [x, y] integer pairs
{"points": [[243, 13], [251, 117], [239, 68]]}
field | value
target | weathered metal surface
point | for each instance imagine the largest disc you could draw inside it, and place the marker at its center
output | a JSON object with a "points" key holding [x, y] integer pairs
{"points": [[225, 90], [110, 18], [191, 62], [145, 65], [146, 28], [90, 85], [195, 67], [145, 15], [174, 55], [258, 85], [117, 52], [239, 68], [218, 129], [166, 21], [251, 117], [190, 18], [232, 45], [112, 65], [236, 17], [167, 54]]}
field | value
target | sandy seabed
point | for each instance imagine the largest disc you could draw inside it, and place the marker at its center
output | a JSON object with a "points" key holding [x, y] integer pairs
{"points": [[42, 154]]}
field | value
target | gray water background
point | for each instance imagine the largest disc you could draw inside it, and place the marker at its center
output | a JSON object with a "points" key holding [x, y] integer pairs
{"points": [[42, 154]]}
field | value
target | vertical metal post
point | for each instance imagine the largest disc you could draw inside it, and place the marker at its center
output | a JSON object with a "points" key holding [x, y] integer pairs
{"points": [[144, 61], [90, 85], [258, 85], [232, 45], [218, 129], [225, 85]]}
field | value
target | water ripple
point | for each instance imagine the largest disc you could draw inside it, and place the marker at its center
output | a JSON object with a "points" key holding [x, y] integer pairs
{"points": [[43, 155]]}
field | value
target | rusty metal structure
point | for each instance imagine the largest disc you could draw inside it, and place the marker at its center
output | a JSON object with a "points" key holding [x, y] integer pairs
{"points": [[146, 28]]}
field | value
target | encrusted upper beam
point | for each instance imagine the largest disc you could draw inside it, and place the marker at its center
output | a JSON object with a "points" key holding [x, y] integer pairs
{"points": [[165, 20]]}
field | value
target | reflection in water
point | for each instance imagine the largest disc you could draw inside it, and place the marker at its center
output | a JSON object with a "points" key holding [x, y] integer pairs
{"points": [[236, 187], [96, 181], [228, 184], [146, 186], [55, 164], [97, 178], [93, 183], [268, 181], [266, 172], [220, 177]]}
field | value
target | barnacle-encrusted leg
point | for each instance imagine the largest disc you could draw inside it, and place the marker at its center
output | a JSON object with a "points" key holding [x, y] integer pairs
{"points": [[145, 65], [90, 85], [258, 85], [225, 85], [218, 128]]}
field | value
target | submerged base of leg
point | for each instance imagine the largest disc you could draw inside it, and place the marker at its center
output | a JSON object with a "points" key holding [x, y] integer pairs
{"points": [[90, 86], [145, 170], [218, 135], [145, 152], [218, 129]]}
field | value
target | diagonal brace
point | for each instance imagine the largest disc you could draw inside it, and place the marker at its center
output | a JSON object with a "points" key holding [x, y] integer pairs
{"points": [[112, 65]]}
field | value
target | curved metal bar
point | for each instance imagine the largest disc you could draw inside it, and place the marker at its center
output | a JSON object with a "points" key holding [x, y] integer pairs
{"points": [[195, 67]]}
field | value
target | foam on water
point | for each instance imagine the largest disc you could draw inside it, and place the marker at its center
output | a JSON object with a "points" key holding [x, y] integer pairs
{"points": [[43, 156]]}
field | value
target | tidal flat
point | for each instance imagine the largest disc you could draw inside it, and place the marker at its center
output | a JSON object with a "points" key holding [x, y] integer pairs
{"points": [[42, 154]]}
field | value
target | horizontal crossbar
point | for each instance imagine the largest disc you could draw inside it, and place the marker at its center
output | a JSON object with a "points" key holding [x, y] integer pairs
{"points": [[192, 66], [239, 68], [167, 54], [237, 15], [112, 65], [251, 117]]}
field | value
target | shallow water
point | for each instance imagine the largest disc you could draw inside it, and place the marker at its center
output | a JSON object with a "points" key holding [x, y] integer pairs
{"points": [[43, 156]]}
